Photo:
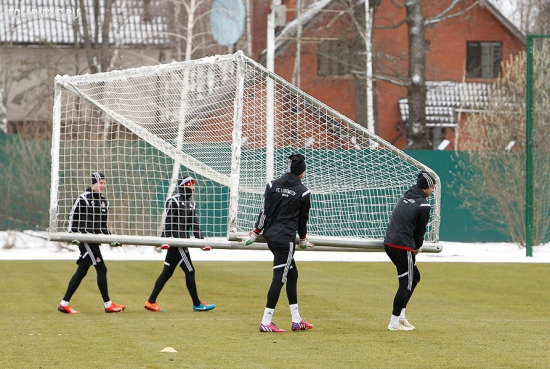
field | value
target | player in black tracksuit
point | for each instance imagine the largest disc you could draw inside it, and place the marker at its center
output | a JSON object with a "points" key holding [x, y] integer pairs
{"points": [[181, 219], [285, 211], [89, 215], [404, 238]]}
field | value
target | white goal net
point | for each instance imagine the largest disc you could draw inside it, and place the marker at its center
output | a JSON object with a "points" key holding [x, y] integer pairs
{"points": [[230, 124]]}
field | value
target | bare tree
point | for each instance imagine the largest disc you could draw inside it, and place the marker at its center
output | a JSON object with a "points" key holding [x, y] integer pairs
{"points": [[190, 30], [93, 25], [102, 30], [390, 68], [417, 134], [492, 177], [370, 6], [531, 16], [248, 7], [534, 16], [365, 28], [297, 61], [362, 13], [542, 21]]}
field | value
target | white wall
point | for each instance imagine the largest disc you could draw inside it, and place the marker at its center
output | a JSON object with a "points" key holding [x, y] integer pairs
{"points": [[31, 71]]}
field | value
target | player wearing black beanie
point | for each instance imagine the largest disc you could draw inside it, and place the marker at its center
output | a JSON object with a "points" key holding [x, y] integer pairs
{"points": [[403, 240], [284, 213], [89, 215]]}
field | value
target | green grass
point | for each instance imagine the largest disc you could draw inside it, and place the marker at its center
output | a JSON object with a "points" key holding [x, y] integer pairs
{"points": [[466, 315]]}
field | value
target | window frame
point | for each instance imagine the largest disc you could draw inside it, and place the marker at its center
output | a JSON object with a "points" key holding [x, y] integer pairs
{"points": [[494, 62]]}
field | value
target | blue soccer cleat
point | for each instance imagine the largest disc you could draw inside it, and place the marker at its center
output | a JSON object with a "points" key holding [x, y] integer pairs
{"points": [[203, 306]]}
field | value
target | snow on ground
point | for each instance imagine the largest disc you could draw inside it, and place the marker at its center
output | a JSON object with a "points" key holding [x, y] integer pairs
{"points": [[31, 245]]}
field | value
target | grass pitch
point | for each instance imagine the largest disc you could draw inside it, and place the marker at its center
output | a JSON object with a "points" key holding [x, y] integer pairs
{"points": [[466, 316]]}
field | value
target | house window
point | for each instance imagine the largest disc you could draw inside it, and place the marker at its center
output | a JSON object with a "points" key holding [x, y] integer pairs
{"points": [[334, 58], [483, 59]]}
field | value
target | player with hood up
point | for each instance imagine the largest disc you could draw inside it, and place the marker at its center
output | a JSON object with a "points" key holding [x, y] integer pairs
{"points": [[181, 218]]}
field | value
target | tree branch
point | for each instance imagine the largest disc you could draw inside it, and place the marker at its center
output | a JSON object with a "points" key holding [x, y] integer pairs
{"points": [[439, 18]]}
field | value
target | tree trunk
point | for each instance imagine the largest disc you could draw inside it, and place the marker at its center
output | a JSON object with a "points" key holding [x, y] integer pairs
{"points": [[369, 15], [190, 24], [417, 134], [87, 39], [248, 5], [105, 55], [297, 60]]}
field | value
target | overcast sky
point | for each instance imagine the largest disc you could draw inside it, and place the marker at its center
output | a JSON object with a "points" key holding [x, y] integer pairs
{"points": [[507, 8]]}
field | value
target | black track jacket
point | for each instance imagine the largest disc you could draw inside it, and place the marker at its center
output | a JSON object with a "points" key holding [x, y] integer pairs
{"points": [[408, 221], [89, 213], [285, 210], [181, 216]]}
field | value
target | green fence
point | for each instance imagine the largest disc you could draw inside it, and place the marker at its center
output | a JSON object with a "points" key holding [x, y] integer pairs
{"points": [[25, 169], [457, 223]]}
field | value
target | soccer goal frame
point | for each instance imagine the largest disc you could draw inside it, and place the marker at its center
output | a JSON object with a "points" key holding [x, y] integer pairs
{"points": [[230, 122]]}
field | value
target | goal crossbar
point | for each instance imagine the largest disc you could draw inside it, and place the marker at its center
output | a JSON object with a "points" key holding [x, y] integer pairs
{"points": [[321, 243]]}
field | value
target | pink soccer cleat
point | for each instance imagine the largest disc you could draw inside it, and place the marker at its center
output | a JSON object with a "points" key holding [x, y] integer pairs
{"points": [[302, 326], [270, 328]]}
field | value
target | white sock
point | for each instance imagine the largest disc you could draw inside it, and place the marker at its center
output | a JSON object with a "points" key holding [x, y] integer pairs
{"points": [[296, 318], [402, 316], [64, 303], [268, 315], [394, 321], [107, 304]]}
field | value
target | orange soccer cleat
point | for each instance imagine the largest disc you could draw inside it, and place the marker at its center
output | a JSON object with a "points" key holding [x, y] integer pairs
{"points": [[67, 310], [114, 308], [153, 306]]}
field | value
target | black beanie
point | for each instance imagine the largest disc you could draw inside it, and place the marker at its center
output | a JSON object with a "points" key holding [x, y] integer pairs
{"points": [[296, 164], [425, 180], [97, 176]]}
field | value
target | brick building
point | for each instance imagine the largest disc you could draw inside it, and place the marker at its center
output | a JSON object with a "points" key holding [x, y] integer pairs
{"points": [[464, 56]]}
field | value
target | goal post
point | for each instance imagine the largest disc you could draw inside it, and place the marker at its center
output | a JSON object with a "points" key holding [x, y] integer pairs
{"points": [[229, 123]]}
